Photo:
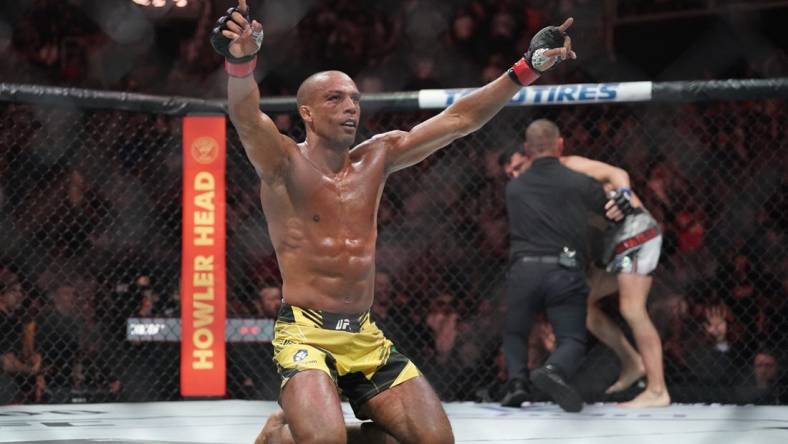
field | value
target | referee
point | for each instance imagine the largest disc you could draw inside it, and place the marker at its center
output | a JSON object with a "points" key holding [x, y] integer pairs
{"points": [[548, 207]]}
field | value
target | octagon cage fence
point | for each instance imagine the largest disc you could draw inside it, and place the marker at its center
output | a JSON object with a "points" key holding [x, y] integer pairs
{"points": [[91, 234]]}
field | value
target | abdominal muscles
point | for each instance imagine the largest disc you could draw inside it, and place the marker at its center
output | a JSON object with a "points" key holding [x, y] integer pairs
{"points": [[327, 272]]}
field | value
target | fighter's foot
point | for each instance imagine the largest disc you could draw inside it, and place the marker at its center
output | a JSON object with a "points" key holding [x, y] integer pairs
{"points": [[275, 422], [630, 373], [647, 399]]}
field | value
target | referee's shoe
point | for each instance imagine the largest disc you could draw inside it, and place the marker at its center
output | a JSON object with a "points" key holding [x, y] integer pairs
{"points": [[548, 379], [516, 393]]}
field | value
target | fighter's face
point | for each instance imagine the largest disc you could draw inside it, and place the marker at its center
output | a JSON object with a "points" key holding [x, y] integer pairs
{"points": [[517, 164], [336, 110]]}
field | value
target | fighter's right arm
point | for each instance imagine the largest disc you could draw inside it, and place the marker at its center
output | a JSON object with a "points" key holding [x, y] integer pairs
{"points": [[238, 38], [264, 145]]}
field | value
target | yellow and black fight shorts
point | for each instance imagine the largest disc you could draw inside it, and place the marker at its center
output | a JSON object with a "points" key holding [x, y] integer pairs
{"points": [[349, 348]]}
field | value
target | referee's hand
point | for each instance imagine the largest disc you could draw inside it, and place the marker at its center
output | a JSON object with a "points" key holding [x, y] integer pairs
{"points": [[612, 211]]}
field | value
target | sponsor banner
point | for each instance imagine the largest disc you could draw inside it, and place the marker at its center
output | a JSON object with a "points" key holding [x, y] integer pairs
{"points": [[203, 290], [169, 330], [572, 94]]}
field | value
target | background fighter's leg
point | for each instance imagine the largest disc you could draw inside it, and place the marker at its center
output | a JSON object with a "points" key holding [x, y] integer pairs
{"points": [[634, 289], [601, 326], [412, 413]]}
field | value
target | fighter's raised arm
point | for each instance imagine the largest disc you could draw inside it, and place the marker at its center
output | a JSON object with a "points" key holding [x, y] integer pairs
{"points": [[238, 38], [548, 47]]}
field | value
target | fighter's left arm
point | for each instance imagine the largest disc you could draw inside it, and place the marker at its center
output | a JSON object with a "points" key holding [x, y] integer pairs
{"points": [[548, 47], [607, 174], [601, 171]]}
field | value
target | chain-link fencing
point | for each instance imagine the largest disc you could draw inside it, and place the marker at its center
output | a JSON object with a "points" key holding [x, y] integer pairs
{"points": [[90, 210]]}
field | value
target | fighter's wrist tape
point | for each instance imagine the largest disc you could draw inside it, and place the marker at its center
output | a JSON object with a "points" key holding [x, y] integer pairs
{"points": [[625, 191], [240, 69], [522, 74]]}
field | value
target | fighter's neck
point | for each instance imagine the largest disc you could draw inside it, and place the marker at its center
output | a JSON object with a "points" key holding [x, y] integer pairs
{"points": [[326, 158]]}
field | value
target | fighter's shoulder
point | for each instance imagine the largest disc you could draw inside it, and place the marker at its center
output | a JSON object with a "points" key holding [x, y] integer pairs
{"points": [[379, 142]]}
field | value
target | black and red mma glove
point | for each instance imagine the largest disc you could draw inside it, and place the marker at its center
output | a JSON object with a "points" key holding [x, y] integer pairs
{"points": [[250, 39], [538, 58]]}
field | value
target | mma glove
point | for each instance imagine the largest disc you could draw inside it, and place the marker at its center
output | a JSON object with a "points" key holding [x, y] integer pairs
{"points": [[235, 66], [623, 200], [534, 62]]}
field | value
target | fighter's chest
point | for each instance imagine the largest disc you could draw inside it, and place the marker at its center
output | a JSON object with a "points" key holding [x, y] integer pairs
{"points": [[352, 190]]}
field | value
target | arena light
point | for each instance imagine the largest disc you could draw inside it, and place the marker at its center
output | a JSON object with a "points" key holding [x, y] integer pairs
{"points": [[161, 3]]}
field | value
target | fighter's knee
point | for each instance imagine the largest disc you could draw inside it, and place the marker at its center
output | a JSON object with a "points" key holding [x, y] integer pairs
{"points": [[632, 311], [593, 316]]}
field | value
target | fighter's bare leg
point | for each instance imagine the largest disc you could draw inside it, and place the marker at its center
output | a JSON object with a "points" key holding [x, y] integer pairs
{"points": [[601, 326], [276, 431], [368, 433], [634, 289], [412, 413], [319, 419], [311, 405]]}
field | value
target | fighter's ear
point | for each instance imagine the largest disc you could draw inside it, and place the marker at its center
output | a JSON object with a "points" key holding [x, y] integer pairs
{"points": [[305, 113], [560, 146]]}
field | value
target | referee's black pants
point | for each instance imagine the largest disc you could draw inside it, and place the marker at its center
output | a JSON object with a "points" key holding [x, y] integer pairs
{"points": [[561, 293]]}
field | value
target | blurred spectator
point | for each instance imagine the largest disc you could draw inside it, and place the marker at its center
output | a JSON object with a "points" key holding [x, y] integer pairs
{"points": [[672, 320], [252, 373], [541, 343], [59, 333], [268, 302], [73, 44], [67, 214], [762, 385], [477, 348], [18, 359], [442, 319], [711, 361], [493, 391]]}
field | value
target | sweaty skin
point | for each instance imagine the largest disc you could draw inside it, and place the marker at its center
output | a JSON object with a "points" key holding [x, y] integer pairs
{"points": [[324, 227], [321, 198]]}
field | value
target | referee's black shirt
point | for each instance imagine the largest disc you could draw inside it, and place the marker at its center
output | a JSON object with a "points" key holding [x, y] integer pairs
{"points": [[548, 209]]}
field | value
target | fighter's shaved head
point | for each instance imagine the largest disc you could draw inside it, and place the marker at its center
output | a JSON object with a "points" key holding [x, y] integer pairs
{"points": [[542, 136], [315, 83]]}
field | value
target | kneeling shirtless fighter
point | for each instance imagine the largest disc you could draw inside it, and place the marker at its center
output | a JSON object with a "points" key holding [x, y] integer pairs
{"points": [[320, 198]]}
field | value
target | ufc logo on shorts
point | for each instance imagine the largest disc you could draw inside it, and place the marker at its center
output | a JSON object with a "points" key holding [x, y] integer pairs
{"points": [[342, 324]]}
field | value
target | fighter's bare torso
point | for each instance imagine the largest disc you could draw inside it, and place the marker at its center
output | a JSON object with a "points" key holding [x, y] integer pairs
{"points": [[324, 226]]}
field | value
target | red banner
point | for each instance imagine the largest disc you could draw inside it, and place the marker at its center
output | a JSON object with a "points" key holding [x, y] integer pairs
{"points": [[203, 289]]}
